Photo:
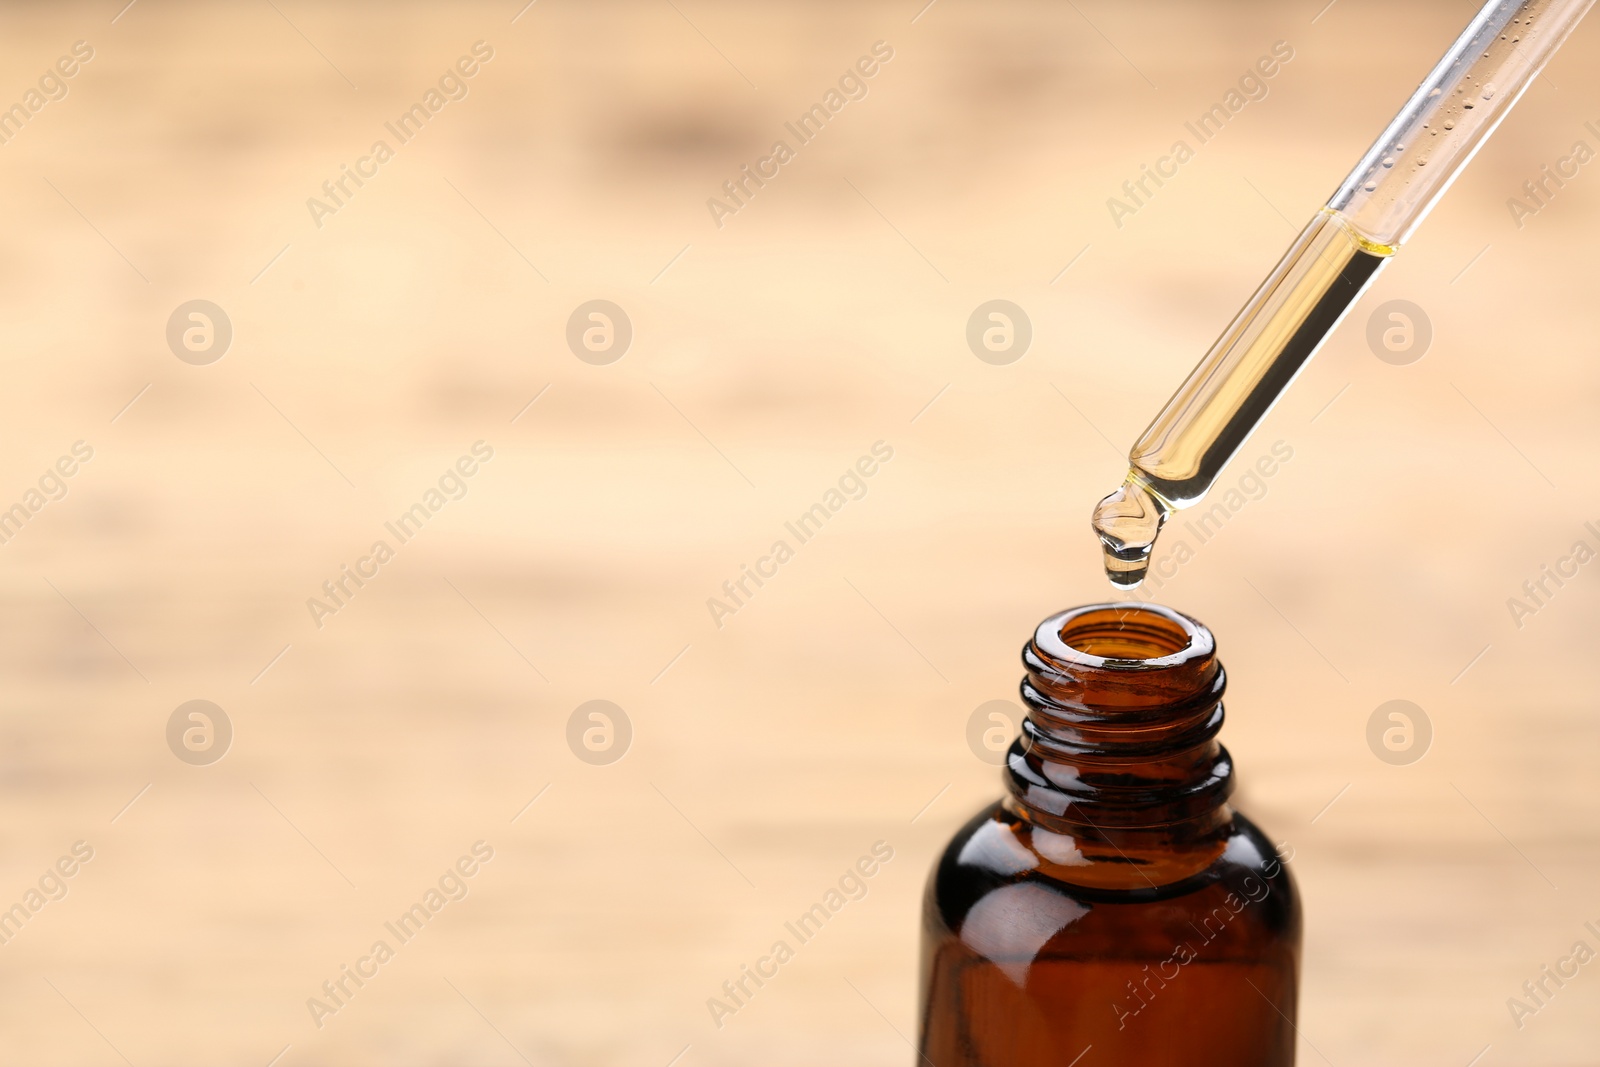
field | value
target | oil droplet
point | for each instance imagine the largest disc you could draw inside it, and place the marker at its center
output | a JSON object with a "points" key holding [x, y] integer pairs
{"points": [[1449, 125], [1127, 523], [1370, 186], [1388, 161], [1468, 106]]}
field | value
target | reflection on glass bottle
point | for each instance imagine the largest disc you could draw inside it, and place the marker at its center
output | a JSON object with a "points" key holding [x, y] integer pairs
{"points": [[1113, 906]]}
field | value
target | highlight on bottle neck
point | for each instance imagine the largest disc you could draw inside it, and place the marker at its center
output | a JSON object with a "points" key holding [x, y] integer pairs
{"points": [[1450, 116], [1124, 705]]}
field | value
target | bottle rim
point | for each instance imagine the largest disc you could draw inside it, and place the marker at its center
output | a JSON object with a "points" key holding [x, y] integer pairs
{"points": [[1123, 637]]}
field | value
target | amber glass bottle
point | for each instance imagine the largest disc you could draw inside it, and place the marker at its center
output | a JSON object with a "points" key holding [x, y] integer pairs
{"points": [[1112, 910]]}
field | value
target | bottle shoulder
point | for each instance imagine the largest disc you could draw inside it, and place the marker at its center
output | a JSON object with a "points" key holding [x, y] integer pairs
{"points": [[996, 866]]}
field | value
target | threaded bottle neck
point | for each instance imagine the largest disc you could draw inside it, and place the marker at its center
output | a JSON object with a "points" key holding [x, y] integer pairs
{"points": [[1124, 705]]}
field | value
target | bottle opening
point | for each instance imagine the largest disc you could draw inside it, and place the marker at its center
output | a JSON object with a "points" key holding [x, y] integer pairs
{"points": [[1125, 634], [1138, 636]]}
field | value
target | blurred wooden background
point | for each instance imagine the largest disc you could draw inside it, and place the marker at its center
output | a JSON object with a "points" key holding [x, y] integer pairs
{"points": [[768, 355]]}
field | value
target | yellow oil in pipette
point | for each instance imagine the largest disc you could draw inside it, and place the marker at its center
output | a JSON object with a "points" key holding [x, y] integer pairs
{"points": [[1252, 363], [1449, 117]]}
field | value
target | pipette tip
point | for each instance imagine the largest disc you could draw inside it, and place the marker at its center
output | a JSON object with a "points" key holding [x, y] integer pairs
{"points": [[1127, 523]]}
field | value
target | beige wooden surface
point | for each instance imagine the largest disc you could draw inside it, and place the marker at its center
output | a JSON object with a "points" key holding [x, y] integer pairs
{"points": [[831, 711]]}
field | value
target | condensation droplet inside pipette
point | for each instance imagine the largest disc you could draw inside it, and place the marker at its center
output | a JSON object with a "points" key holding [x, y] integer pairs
{"points": [[1128, 522]]}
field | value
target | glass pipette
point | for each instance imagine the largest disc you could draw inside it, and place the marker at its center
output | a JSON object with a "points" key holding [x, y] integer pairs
{"points": [[1410, 165]]}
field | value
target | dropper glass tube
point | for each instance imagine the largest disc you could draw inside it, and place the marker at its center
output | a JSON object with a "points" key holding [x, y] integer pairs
{"points": [[1455, 109]]}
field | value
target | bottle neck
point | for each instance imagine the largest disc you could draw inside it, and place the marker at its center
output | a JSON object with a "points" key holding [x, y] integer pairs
{"points": [[1118, 765]]}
